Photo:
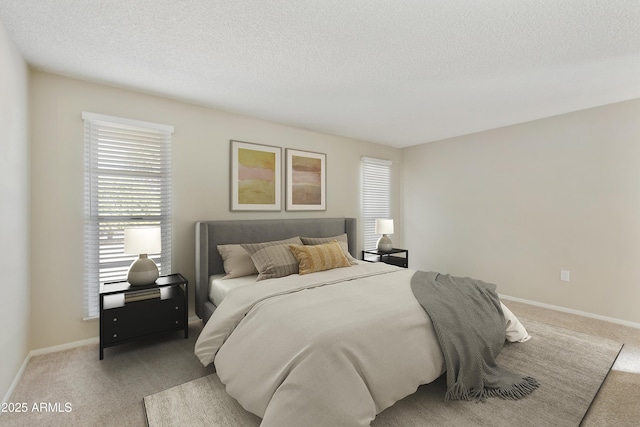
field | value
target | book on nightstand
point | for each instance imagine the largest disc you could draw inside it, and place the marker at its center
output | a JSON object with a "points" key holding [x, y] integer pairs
{"points": [[142, 295]]}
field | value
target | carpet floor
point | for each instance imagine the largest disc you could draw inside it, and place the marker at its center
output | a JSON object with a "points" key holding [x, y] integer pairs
{"points": [[111, 392], [570, 367]]}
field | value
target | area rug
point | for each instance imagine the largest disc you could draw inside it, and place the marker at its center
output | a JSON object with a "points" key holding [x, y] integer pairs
{"points": [[570, 367]]}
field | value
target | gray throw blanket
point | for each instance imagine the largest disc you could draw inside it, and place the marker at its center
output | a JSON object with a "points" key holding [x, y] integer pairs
{"points": [[470, 327]]}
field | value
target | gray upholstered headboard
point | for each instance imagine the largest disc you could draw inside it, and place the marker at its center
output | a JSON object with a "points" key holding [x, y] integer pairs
{"points": [[209, 234]]}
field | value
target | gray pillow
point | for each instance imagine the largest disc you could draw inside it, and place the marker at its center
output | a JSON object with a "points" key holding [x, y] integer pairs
{"points": [[273, 259], [341, 239]]}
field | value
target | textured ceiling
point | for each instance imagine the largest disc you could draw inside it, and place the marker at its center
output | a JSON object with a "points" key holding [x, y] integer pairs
{"points": [[396, 72]]}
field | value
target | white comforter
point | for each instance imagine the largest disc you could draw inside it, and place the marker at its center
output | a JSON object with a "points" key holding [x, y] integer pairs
{"points": [[333, 348]]}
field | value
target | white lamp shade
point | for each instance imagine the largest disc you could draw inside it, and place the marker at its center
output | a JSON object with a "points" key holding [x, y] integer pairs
{"points": [[142, 240], [384, 226]]}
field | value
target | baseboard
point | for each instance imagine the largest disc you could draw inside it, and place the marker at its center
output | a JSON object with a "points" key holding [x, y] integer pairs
{"points": [[572, 311], [95, 340], [16, 380], [62, 347]]}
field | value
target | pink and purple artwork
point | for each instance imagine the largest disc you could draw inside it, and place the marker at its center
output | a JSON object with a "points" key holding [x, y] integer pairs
{"points": [[306, 180]]}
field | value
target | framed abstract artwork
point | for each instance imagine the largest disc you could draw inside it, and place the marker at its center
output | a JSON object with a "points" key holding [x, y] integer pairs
{"points": [[306, 181], [256, 177]]}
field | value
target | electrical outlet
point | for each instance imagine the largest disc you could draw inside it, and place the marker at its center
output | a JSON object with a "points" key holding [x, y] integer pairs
{"points": [[565, 275]]}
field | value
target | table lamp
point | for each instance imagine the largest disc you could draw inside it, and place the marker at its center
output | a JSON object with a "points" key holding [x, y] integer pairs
{"points": [[142, 241], [384, 227]]}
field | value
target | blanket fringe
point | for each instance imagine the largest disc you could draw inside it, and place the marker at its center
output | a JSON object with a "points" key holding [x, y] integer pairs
{"points": [[514, 392]]}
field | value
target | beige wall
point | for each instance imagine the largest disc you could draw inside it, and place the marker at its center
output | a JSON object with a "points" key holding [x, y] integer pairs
{"points": [[14, 212], [516, 205], [200, 184], [512, 206]]}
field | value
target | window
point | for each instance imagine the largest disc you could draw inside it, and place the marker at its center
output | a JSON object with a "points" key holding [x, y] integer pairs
{"points": [[376, 196], [127, 183]]}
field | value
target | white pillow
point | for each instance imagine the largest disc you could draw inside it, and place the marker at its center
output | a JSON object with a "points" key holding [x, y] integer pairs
{"points": [[237, 261], [516, 332]]}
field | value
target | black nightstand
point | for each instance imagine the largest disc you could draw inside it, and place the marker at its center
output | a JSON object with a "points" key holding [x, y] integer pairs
{"points": [[399, 257], [127, 314]]}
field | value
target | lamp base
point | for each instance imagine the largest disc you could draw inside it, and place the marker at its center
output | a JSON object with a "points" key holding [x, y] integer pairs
{"points": [[142, 272], [384, 244]]}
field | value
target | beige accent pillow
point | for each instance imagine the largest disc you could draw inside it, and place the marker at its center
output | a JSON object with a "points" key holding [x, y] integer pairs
{"points": [[273, 259], [322, 257], [341, 239], [237, 261]]}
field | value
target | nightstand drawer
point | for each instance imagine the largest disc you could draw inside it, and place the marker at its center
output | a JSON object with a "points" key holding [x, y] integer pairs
{"points": [[140, 318], [396, 260]]}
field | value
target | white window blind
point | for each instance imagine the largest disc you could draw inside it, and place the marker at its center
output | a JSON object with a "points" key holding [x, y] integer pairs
{"points": [[376, 196], [127, 183]]}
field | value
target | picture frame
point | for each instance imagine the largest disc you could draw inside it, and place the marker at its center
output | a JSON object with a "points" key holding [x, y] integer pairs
{"points": [[306, 181], [256, 177]]}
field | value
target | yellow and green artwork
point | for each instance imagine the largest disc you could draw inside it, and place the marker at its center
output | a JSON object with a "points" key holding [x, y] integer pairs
{"points": [[256, 177]]}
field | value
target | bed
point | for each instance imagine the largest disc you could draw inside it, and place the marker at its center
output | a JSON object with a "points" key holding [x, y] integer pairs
{"points": [[335, 347], [210, 234]]}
